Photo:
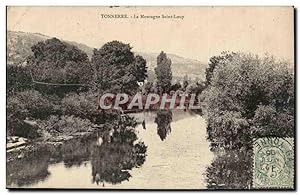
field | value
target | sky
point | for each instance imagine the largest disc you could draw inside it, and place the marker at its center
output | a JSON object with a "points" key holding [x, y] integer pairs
{"points": [[202, 33]]}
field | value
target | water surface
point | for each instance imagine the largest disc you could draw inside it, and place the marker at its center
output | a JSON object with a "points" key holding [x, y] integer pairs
{"points": [[177, 156]]}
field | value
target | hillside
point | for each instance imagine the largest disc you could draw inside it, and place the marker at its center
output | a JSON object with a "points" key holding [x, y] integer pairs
{"points": [[19, 47], [180, 66]]}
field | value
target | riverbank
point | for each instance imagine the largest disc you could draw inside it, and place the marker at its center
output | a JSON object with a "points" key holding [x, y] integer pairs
{"points": [[23, 147]]}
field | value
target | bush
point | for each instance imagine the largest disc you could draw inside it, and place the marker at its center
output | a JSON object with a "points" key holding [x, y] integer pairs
{"points": [[64, 125], [83, 105], [26, 104], [15, 115], [35, 104]]}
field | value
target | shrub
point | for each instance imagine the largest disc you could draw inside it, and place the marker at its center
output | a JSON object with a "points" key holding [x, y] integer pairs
{"points": [[26, 104], [37, 105], [83, 105], [79, 105], [64, 125]]}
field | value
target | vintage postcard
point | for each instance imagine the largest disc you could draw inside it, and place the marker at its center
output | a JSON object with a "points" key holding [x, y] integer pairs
{"points": [[150, 98]]}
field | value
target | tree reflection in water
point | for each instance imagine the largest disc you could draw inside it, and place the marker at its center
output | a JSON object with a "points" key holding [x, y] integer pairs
{"points": [[33, 168], [163, 120], [231, 170], [73, 152], [112, 160], [28, 170]]}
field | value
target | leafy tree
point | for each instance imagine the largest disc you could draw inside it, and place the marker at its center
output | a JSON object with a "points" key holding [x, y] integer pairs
{"points": [[163, 73], [216, 61], [268, 122], [117, 69], [249, 97], [57, 62]]}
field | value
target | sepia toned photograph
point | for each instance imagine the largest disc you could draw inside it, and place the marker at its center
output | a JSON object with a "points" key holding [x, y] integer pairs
{"points": [[150, 98]]}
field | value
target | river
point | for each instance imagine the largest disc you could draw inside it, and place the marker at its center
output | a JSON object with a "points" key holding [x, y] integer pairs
{"points": [[177, 156]]}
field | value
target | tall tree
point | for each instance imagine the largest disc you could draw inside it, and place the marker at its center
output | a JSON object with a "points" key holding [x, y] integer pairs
{"points": [[117, 69], [185, 82], [58, 63], [163, 73]]}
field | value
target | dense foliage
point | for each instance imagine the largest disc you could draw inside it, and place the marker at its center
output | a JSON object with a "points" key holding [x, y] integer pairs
{"points": [[59, 85], [232, 170], [249, 97], [117, 69], [18, 79], [59, 68], [163, 73], [112, 160], [64, 125], [26, 105], [59, 62]]}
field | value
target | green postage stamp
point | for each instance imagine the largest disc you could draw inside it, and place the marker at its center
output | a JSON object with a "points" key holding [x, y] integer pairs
{"points": [[273, 163]]}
